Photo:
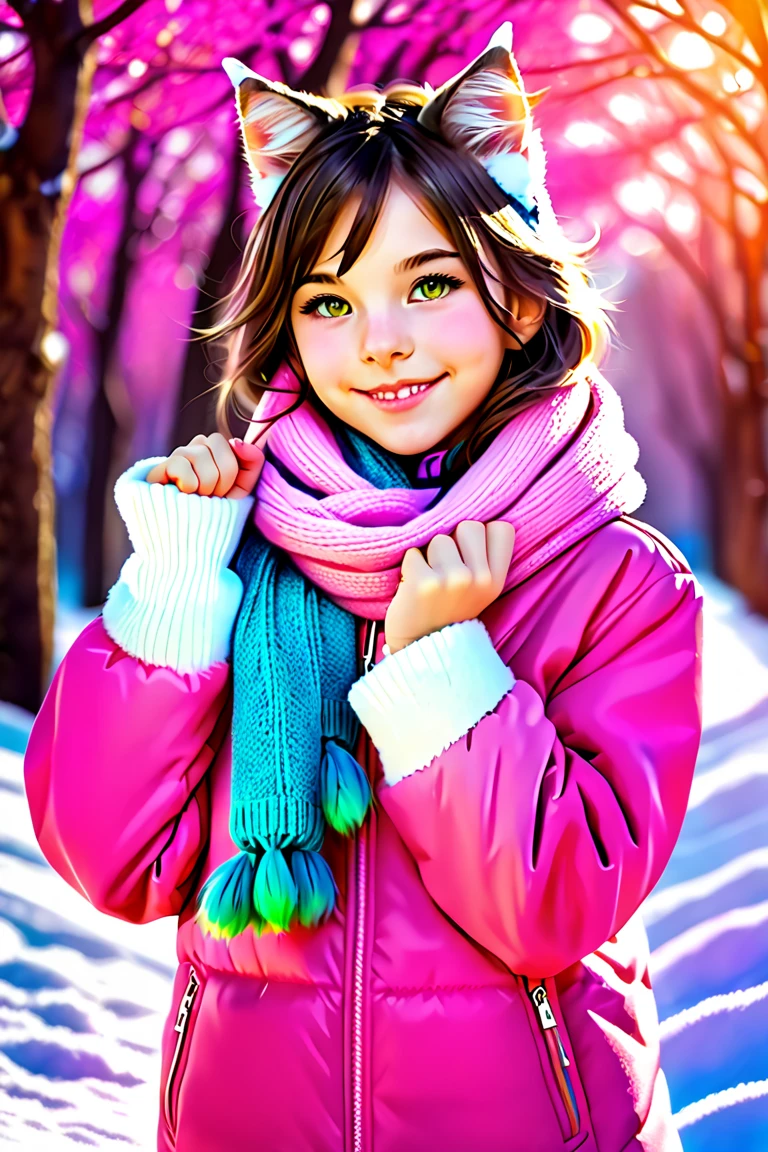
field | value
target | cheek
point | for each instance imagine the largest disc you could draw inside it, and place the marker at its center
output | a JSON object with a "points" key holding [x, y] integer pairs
{"points": [[466, 334], [321, 349]]}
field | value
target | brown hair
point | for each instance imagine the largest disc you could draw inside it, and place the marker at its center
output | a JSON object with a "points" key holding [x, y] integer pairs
{"points": [[373, 142]]}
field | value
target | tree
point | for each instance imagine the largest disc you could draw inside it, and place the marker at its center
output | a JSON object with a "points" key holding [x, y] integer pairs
{"points": [[36, 180], [664, 108]]}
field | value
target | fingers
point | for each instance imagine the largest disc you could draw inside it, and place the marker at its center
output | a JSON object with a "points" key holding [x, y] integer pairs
{"points": [[202, 463], [445, 559], [470, 536], [225, 461], [179, 471], [476, 555], [250, 461], [416, 571], [157, 475], [500, 537], [211, 466]]}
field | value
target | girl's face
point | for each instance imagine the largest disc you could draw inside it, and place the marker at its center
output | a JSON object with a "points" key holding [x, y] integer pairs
{"points": [[402, 347]]}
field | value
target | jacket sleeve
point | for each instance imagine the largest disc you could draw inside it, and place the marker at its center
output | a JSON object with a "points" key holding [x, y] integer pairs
{"points": [[115, 768], [540, 825]]}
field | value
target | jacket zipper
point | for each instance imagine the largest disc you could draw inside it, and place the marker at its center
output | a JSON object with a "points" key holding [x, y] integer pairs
{"points": [[357, 997], [181, 1026], [557, 1054], [372, 630]]}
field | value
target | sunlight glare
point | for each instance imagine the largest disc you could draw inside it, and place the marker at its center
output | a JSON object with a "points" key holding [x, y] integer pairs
{"points": [[586, 134], [690, 52], [672, 162], [646, 17], [744, 78], [682, 217], [639, 241], [750, 185], [627, 109], [589, 28], [642, 195], [714, 23]]}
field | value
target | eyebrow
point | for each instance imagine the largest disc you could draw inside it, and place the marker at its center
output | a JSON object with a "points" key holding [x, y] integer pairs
{"points": [[404, 265]]}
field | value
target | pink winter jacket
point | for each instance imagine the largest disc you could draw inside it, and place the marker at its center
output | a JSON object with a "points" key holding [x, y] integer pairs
{"points": [[482, 985]]}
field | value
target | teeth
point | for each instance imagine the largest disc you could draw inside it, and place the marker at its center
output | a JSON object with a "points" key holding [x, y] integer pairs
{"points": [[402, 393]]}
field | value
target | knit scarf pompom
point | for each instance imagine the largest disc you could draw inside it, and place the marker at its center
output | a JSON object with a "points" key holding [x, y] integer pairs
{"points": [[293, 739]]}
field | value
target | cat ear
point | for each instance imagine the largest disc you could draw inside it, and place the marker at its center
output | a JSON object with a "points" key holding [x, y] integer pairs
{"points": [[485, 109], [277, 124]]}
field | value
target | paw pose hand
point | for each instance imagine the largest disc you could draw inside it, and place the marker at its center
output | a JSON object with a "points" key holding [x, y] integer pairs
{"points": [[461, 575], [211, 466]]}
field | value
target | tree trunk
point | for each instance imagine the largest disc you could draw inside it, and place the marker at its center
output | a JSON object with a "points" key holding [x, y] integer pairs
{"points": [[747, 523], [745, 539], [31, 223], [26, 221]]}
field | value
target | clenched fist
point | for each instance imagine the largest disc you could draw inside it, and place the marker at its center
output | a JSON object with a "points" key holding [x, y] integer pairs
{"points": [[462, 574], [211, 466]]}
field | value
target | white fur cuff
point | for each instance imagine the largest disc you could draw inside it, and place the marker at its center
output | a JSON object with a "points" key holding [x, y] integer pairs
{"points": [[425, 697], [176, 600]]}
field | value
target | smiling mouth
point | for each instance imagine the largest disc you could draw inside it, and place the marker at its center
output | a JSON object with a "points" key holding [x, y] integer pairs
{"points": [[401, 392]]}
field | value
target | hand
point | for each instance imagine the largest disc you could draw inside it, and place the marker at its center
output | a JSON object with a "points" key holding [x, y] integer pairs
{"points": [[461, 575], [211, 466]]}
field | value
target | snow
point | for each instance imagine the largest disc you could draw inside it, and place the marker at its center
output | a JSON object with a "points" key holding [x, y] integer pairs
{"points": [[707, 919], [83, 997]]}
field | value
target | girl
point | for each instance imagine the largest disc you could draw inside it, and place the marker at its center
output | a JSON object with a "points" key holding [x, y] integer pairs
{"points": [[408, 837]]}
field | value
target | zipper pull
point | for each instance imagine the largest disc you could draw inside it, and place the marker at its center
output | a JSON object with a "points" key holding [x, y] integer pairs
{"points": [[372, 629], [543, 1007], [186, 1003], [547, 1017], [559, 1060]]}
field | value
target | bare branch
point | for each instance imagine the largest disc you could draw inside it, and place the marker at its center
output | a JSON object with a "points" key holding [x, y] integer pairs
{"points": [[690, 24], [577, 93], [682, 255], [705, 98], [612, 58], [92, 31]]}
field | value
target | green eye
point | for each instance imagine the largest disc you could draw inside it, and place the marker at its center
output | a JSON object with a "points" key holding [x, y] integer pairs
{"points": [[333, 304], [334, 307], [433, 289], [432, 286]]}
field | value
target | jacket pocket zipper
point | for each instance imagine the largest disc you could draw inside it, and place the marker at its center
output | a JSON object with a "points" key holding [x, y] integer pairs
{"points": [[557, 1055], [181, 1027]]}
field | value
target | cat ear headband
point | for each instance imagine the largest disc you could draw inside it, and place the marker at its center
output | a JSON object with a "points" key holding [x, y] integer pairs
{"points": [[484, 110]]}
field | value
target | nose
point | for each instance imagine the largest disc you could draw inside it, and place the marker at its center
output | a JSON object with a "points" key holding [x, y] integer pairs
{"points": [[385, 340]]}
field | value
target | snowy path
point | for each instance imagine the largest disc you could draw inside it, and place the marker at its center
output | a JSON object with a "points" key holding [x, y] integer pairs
{"points": [[83, 997], [707, 919]]}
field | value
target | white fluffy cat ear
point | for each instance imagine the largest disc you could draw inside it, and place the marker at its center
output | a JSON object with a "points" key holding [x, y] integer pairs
{"points": [[277, 124], [484, 109]]}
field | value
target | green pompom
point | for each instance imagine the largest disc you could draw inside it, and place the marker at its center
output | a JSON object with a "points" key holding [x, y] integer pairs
{"points": [[345, 793], [274, 890], [225, 901], [316, 887]]}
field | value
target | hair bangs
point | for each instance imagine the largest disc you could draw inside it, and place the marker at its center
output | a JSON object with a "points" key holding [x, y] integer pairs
{"points": [[372, 146]]}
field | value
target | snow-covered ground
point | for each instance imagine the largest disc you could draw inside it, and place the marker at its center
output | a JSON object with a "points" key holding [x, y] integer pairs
{"points": [[707, 918], [83, 996]]}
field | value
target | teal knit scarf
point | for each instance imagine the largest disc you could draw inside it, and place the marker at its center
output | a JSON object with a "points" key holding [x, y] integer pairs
{"points": [[293, 736]]}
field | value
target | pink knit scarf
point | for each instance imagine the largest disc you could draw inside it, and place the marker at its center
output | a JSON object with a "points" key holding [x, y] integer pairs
{"points": [[556, 471]]}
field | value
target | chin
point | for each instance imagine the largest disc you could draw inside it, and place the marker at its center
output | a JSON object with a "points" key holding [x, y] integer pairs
{"points": [[403, 443]]}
